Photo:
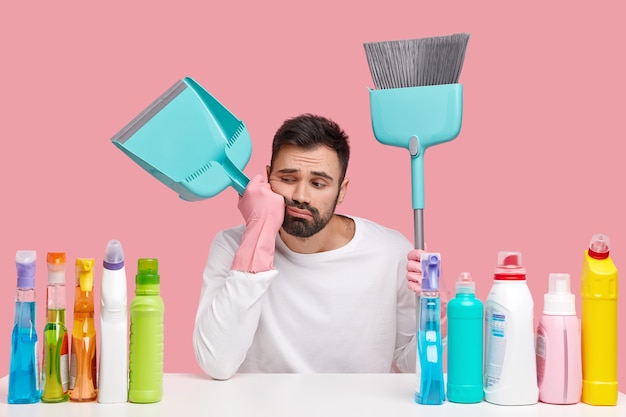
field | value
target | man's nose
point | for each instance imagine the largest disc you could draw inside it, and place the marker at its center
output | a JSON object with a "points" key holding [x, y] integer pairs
{"points": [[301, 193]]}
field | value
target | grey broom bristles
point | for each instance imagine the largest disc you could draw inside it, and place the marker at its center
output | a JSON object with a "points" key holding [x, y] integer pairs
{"points": [[417, 62]]}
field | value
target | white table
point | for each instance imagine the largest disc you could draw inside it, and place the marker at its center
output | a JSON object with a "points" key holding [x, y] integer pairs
{"points": [[296, 395]]}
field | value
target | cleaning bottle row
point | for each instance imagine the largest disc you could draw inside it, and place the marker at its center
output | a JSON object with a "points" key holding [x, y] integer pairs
{"points": [[564, 361], [73, 374]]}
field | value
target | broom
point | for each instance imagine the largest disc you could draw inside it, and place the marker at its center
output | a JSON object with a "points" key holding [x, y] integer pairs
{"points": [[417, 118], [416, 63], [417, 104]]}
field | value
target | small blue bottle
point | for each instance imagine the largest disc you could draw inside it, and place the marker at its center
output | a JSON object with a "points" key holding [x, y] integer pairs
{"points": [[430, 383], [24, 369], [465, 343]]}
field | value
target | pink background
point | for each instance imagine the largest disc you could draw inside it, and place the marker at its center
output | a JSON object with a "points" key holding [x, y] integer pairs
{"points": [[537, 167]]}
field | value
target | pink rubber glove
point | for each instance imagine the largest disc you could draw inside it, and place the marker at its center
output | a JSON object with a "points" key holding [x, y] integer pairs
{"points": [[263, 211], [414, 270]]}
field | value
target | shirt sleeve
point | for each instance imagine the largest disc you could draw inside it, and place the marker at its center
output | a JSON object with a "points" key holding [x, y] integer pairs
{"points": [[228, 312], [405, 357]]}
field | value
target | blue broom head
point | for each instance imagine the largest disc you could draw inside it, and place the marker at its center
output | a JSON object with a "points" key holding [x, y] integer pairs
{"points": [[416, 118], [433, 114]]}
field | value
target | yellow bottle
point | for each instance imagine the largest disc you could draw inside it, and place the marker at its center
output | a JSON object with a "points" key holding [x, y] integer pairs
{"points": [[598, 289], [83, 380]]}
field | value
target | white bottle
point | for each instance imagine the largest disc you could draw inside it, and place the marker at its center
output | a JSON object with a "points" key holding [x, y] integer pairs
{"points": [[113, 376], [510, 362]]}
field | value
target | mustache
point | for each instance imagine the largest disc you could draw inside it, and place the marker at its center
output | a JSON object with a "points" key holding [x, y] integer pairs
{"points": [[301, 206]]}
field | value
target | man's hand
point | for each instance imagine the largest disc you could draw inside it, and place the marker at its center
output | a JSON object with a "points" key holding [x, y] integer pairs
{"points": [[414, 270]]}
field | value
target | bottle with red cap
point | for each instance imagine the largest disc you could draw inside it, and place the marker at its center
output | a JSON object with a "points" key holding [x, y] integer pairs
{"points": [[510, 362], [598, 290]]}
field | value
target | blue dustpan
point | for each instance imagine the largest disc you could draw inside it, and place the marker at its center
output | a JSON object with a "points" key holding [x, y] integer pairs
{"points": [[190, 142]]}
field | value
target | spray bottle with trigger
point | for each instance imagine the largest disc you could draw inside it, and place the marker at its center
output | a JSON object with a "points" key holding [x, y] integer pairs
{"points": [[83, 382], [430, 388], [24, 369]]}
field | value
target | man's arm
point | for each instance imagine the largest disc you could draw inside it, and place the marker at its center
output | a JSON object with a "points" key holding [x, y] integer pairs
{"points": [[228, 313], [405, 357], [234, 283]]}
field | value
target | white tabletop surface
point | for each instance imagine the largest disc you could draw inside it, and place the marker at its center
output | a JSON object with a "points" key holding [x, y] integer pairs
{"points": [[296, 395]]}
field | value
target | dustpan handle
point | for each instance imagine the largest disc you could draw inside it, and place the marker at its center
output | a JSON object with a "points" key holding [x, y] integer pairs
{"points": [[238, 179], [240, 184]]}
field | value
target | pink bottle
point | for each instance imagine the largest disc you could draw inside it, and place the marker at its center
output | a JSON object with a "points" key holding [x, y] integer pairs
{"points": [[559, 362]]}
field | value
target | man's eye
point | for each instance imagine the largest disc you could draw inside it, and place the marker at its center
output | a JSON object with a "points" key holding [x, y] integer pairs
{"points": [[317, 184], [287, 179]]}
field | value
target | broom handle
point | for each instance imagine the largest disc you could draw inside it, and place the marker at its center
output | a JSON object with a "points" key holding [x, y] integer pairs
{"points": [[418, 225]]}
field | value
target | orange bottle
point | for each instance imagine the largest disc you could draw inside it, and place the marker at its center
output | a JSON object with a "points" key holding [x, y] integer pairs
{"points": [[83, 357]]}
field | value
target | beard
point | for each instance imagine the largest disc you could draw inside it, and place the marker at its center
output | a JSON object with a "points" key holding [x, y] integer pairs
{"points": [[298, 227]]}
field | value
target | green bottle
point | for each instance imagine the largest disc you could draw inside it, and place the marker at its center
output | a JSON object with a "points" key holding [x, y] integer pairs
{"points": [[55, 373], [146, 335]]}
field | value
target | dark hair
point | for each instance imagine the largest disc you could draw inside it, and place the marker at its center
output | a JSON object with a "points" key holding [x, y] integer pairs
{"points": [[309, 131]]}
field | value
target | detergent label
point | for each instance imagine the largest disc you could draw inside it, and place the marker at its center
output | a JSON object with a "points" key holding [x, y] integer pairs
{"points": [[498, 324], [496, 345]]}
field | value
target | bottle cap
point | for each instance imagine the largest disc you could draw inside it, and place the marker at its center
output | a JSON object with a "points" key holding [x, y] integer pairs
{"points": [[25, 262], [430, 271], [113, 256], [559, 300], [56, 267], [147, 271], [599, 246], [465, 284], [510, 266], [84, 273]]}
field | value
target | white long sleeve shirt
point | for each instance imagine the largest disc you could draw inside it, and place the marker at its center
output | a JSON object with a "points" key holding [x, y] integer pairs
{"points": [[345, 310]]}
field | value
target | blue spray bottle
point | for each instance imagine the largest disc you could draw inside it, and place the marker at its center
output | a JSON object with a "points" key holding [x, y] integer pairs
{"points": [[430, 383], [24, 371]]}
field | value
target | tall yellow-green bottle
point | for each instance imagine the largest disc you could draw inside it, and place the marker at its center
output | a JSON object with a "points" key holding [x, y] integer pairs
{"points": [[598, 290], [55, 364], [146, 335]]}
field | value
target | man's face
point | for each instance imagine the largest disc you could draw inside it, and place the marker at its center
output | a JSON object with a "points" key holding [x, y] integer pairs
{"points": [[309, 181]]}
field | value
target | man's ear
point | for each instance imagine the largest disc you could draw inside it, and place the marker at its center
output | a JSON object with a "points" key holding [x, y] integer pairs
{"points": [[343, 189]]}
